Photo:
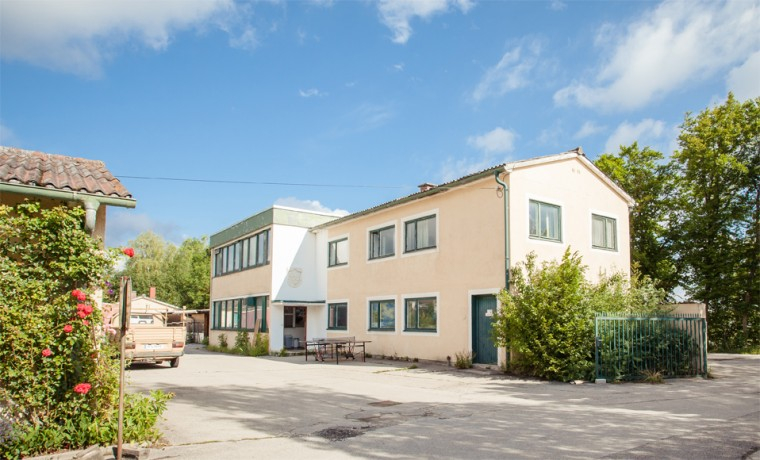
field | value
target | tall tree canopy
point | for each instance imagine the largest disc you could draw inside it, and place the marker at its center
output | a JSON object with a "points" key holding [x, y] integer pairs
{"points": [[697, 220], [718, 216], [644, 175], [181, 275]]}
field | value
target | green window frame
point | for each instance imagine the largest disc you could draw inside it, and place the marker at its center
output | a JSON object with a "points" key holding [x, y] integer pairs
{"points": [[243, 254], [337, 252], [545, 221], [382, 315], [603, 232], [421, 314], [240, 314], [337, 316], [382, 242], [420, 233]]}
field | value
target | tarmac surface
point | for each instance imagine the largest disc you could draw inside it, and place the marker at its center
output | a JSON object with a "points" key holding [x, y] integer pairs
{"points": [[232, 407]]}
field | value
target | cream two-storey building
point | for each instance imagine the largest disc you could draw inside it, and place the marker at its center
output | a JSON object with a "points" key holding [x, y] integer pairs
{"points": [[419, 276]]}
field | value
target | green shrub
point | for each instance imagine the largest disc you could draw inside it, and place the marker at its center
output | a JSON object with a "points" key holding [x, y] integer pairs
{"points": [[223, 341], [260, 345], [463, 360], [242, 341], [59, 375], [547, 320]]}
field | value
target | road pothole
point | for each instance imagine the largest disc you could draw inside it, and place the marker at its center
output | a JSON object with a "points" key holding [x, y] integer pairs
{"points": [[339, 433]]}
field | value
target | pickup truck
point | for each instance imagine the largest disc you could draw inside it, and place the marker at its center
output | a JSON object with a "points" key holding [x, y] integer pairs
{"points": [[154, 334], [155, 343]]}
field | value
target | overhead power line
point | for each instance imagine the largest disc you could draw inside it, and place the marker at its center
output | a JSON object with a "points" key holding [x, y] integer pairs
{"points": [[247, 182]]}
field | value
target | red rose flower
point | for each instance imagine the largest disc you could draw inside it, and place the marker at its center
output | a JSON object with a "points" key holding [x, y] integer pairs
{"points": [[68, 328], [46, 352], [79, 295], [83, 310], [85, 322], [82, 388], [129, 252]]}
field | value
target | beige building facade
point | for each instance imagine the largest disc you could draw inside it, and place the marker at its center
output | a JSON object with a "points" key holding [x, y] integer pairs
{"points": [[418, 277]]}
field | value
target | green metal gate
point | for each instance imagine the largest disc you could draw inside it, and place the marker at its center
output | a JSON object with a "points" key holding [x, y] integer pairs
{"points": [[629, 346]]}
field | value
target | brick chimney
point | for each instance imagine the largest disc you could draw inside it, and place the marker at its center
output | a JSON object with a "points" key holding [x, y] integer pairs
{"points": [[152, 294], [426, 186]]}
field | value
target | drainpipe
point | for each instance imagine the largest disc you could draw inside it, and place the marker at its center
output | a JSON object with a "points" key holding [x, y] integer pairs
{"points": [[506, 244], [506, 226], [90, 203]]}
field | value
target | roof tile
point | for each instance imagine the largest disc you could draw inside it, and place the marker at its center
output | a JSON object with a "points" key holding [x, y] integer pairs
{"points": [[27, 167]]}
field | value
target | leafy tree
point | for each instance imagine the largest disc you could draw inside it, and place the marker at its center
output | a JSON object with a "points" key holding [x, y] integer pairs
{"points": [[718, 217], [58, 378], [643, 175], [181, 275], [548, 317], [188, 272]]}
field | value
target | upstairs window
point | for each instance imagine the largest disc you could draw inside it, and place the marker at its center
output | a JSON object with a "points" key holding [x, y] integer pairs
{"points": [[243, 254], [545, 221], [382, 242], [603, 232], [420, 234], [337, 252]]}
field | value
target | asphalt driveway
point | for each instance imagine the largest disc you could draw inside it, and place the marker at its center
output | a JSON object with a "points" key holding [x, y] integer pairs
{"points": [[230, 407]]}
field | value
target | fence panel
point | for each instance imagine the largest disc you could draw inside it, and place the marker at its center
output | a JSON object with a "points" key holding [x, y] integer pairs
{"points": [[629, 346]]}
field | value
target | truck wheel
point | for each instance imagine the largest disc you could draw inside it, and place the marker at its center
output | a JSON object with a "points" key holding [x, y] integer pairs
{"points": [[174, 362]]}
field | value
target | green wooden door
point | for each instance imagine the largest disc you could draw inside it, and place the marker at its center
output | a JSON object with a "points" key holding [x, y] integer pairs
{"points": [[483, 308]]}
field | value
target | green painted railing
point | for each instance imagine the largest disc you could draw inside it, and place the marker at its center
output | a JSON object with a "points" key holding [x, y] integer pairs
{"points": [[628, 347]]}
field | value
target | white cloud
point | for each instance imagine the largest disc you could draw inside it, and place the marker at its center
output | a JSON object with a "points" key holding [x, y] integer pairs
{"points": [[309, 205], [744, 81], [311, 92], [124, 225], [399, 67], [670, 47], [247, 40], [557, 5], [77, 37], [513, 71], [647, 132], [495, 141], [589, 128], [7, 137], [397, 14]]}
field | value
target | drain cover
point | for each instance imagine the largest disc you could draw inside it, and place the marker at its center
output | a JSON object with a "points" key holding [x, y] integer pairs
{"points": [[340, 433], [384, 403]]}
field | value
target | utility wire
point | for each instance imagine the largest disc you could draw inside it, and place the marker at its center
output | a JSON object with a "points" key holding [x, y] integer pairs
{"points": [[245, 182], [292, 184]]}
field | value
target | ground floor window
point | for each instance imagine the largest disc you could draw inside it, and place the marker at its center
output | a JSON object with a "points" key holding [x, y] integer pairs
{"points": [[337, 316], [421, 314], [241, 314], [382, 315]]}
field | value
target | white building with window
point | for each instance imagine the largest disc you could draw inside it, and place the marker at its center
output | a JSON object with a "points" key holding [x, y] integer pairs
{"points": [[417, 276], [265, 278]]}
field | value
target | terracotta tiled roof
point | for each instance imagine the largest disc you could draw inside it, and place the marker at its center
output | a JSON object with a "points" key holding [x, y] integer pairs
{"points": [[58, 172]]}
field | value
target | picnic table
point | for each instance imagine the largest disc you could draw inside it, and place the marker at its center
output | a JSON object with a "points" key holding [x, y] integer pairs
{"points": [[337, 346]]}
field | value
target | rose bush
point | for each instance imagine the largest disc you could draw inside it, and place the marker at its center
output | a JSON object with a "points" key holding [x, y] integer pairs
{"points": [[59, 376]]}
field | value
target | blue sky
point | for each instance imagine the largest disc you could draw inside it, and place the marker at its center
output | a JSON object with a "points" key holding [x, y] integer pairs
{"points": [[342, 105]]}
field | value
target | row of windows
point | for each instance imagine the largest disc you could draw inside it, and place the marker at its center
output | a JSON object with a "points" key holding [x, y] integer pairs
{"points": [[419, 234], [243, 254], [243, 314], [420, 314], [545, 223]]}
